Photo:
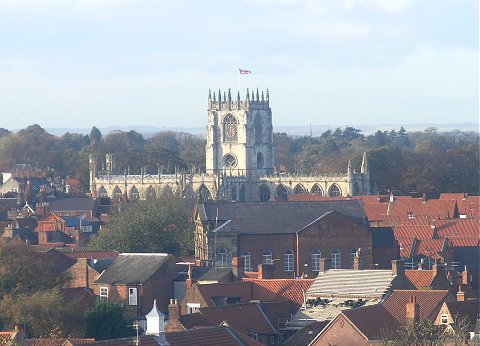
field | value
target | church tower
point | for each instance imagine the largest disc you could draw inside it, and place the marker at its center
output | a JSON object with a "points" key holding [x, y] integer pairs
{"points": [[239, 135]]}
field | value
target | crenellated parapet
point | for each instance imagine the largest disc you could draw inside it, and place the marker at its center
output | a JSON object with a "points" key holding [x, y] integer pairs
{"points": [[253, 100]]}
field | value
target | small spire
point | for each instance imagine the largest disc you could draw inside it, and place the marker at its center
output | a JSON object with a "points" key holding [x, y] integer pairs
{"points": [[268, 98], [248, 95], [263, 99], [219, 96], [364, 169], [209, 94], [214, 98], [258, 96]]}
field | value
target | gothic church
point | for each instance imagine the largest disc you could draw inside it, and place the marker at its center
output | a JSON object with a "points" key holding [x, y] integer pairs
{"points": [[239, 163]]}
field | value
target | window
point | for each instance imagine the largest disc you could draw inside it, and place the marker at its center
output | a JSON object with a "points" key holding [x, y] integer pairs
{"points": [[233, 193], [150, 193], [317, 190], [134, 194], [334, 191], [336, 259], [102, 192], [264, 193], [223, 255], [444, 319], [204, 194], [316, 254], [132, 296], [272, 340], [288, 260], [260, 160], [267, 257], [192, 308], [103, 292], [353, 253], [281, 193], [117, 193], [230, 161], [246, 260], [230, 133], [299, 189]]}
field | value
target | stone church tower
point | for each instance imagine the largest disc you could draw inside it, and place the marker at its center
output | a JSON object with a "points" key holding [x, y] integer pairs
{"points": [[239, 135], [239, 163]]}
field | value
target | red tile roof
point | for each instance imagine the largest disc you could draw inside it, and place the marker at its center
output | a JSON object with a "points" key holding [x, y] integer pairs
{"points": [[429, 247], [406, 245], [429, 302], [420, 278], [58, 342], [91, 254], [458, 228], [463, 242], [247, 318], [415, 231], [217, 335], [279, 289], [376, 211], [6, 337]]}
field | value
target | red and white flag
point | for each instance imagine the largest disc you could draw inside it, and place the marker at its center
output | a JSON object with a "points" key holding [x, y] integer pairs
{"points": [[244, 71]]}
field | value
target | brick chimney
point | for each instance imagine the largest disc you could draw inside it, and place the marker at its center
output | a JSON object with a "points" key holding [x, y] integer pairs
{"points": [[359, 260], [237, 268], [324, 264], [189, 281], [412, 310], [460, 294], [174, 324], [265, 271], [398, 268], [465, 277], [438, 268]]}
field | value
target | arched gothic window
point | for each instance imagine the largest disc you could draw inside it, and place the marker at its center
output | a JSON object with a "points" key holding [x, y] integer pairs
{"points": [[258, 129], [230, 128], [336, 259], [334, 191], [204, 194], [117, 193], [102, 192], [316, 255], [299, 189], [281, 193], [260, 160], [264, 193], [247, 265], [317, 190], [288, 260], [267, 257], [134, 194], [150, 193]]}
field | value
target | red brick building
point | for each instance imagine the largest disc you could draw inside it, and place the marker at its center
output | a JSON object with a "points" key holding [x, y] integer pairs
{"points": [[293, 236], [136, 279]]}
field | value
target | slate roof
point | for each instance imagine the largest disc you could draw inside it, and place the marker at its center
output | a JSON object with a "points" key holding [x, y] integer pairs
{"points": [[243, 290], [353, 283], [6, 205], [212, 274], [279, 289], [72, 204], [75, 221], [382, 236], [130, 269], [277, 217]]}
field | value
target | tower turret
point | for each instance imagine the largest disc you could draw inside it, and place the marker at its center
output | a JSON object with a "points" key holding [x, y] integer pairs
{"points": [[364, 169]]}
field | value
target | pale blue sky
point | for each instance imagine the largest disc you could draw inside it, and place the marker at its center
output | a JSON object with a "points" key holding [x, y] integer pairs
{"points": [[79, 63]]}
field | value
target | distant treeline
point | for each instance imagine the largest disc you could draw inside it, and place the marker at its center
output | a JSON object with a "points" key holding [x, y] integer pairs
{"points": [[428, 162]]}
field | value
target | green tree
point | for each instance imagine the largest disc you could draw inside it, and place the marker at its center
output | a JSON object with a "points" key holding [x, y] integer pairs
{"points": [[154, 225], [105, 321]]}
